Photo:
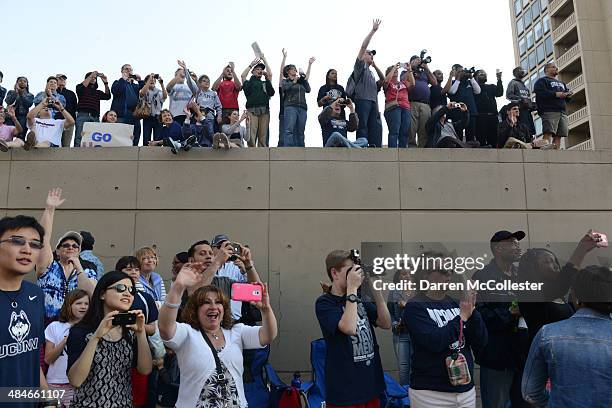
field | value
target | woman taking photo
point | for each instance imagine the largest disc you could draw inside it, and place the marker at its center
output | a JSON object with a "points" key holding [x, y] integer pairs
{"points": [[154, 97], [442, 331], [214, 378], [101, 351], [74, 308], [397, 105]]}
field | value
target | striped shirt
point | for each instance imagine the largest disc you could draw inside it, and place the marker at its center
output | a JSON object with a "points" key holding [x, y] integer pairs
{"points": [[89, 99]]}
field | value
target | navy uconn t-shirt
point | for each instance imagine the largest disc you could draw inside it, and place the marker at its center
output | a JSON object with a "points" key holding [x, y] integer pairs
{"points": [[21, 337], [353, 371]]}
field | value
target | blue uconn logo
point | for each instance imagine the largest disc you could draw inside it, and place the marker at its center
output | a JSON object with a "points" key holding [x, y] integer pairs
{"points": [[100, 137]]}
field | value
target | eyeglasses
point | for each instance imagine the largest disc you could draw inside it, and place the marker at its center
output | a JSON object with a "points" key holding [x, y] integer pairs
{"points": [[68, 246], [149, 258], [20, 241], [120, 288]]}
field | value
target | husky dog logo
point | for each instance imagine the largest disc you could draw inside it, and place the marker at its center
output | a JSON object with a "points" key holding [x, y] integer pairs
{"points": [[19, 326]]}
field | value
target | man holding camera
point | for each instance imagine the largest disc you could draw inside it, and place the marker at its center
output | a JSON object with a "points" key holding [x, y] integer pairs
{"points": [[552, 96], [463, 90], [446, 125], [50, 92], [419, 97], [487, 120], [125, 98], [363, 89], [353, 370], [44, 130], [335, 126], [88, 107]]}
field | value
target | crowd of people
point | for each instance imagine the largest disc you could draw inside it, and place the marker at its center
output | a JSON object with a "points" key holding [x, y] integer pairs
{"points": [[420, 109], [120, 338]]}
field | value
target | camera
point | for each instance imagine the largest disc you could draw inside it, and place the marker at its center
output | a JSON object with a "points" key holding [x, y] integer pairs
{"points": [[124, 319], [156, 76], [469, 72], [424, 60], [456, 105], [356, 256], [50, 103], [99, 75], [132, 76], [237, 251]]}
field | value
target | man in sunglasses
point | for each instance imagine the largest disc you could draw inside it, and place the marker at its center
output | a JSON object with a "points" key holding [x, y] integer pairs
{"points": [[58, 277], [21, 306]]}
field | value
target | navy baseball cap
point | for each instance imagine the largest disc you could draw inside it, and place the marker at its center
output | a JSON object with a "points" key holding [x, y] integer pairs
{"points": [[218, 239], [504, 235]]}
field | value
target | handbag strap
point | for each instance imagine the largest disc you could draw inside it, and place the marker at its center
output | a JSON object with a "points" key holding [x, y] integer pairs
{"points": [[214, 352]]}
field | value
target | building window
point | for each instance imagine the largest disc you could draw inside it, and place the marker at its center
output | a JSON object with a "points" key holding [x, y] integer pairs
{"points": [[535, 10], [532, 60], [537, 29], [548, 44], [528, 83], [530, 39], [525, 3], [544, 4], [522, 46], [527, 17], [525, 64], [541, 73], [538, 126], [519, 26], [540, 53], [533, 80], [517, 7], [546, 22]]}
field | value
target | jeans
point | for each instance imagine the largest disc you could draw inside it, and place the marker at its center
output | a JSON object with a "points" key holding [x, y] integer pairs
{"points": [[281, 130], [402, 346], [420, 114], [81, 118], [495, 387], [399, 123], [295, 124], [337, 140], [370, 126], [151, 125], [131, 120]]}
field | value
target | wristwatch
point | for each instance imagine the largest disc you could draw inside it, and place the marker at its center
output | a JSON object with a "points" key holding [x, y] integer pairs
{"points": [[352, 298]]}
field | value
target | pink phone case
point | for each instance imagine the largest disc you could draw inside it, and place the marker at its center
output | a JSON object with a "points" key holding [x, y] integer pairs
{"points": [[246, 292]]}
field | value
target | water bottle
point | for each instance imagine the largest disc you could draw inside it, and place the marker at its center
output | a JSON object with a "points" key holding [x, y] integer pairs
{"points": [[296, 382]]}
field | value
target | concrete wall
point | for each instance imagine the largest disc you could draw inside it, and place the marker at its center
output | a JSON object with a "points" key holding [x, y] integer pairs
{"points": [[292, 206]]}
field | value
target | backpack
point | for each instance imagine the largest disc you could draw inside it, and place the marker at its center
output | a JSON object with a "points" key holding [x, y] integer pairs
{"points": [[350, 87]]}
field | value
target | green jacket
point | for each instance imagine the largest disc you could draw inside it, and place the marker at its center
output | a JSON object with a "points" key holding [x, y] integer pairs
{"points": [[257, 92]]}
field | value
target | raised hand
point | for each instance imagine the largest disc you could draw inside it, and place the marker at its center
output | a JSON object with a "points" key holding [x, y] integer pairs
{"points": [[181, 64], [311, 60], [105, 325], [467, 305], [190, 274], [54, 198], [284, 51], [137, 327], [265, 299], [376, 24]]}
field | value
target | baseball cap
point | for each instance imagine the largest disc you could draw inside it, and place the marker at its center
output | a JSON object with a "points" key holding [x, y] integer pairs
{"points": [[219, 239], [61, 76], [504, 235], [70, 235], [260, 65]]}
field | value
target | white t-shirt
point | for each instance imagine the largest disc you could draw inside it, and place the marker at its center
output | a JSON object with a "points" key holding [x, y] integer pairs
{"points": [[179, 95], [197, 363], [49, 130], [55, 333]]}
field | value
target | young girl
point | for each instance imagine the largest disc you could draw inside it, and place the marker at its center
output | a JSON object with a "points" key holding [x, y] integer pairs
{"points": [[102, 351], [74, 308]]}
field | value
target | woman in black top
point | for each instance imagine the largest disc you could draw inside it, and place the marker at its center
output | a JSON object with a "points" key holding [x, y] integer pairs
{"points": [[100, 353]]}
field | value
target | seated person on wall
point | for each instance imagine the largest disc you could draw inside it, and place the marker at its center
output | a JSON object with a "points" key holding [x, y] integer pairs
{"points": [[511, 131], [444, 132], [335, 127], [171, 134], [9, 135], [233, 130], [45, 131], [194, 125]]}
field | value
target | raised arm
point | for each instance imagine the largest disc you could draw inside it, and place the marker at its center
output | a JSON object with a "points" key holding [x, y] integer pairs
{"points": [[269, 326], [90, 79], [268, 67], [54, 200], [348, 321], [449, 83], [34, 112], [215, 85], [11, 113], [383, 319], [310, 62], [248, 69], [237, 83], [193, 87], [282, 66], [366, 41], [391, 73]]}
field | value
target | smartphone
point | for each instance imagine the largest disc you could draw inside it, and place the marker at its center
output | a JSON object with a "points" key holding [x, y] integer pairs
{"points": [[256, 49], [124, 319], [604, 239], [247, 292]]}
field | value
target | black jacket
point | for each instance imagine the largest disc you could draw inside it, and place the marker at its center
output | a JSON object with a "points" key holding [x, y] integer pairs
{"points": [[434, 127], [505, 131]]}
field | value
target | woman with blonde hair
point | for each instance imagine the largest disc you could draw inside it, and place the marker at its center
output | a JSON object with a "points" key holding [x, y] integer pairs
{"points": [[150, 281]]}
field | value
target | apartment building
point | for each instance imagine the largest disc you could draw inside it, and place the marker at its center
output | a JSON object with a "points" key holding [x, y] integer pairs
{"points": [[576, 34]]}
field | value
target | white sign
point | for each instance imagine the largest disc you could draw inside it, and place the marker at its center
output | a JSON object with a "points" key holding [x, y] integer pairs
{"points": [[100, 134]]}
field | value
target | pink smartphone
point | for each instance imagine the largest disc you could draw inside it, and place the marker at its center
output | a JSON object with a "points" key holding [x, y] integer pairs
{"points": [[603, 243], [247, 292]]}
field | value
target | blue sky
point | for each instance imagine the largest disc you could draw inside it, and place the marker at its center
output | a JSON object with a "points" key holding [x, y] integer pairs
{"points": [[74, 37]]}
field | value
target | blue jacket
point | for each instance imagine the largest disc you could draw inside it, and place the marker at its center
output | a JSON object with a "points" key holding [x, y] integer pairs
{"points": [[124, 99], [545, 89], [576, 354]]}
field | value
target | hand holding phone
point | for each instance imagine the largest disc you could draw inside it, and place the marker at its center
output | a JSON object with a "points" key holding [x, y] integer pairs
{"points": [[247, 292]]}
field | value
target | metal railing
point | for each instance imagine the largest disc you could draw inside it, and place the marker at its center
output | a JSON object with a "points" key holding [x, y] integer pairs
{"points": [[578, 115], [554, 6], [586, 145], [576, 83], [569, 22], [568, 56]]}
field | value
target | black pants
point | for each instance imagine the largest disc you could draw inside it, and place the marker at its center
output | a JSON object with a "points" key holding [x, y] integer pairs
{"points": [[526, 118], [486, 129], [470, 129]]}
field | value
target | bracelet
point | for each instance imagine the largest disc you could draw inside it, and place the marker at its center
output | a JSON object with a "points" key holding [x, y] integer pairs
{"points": [[172, 305]]}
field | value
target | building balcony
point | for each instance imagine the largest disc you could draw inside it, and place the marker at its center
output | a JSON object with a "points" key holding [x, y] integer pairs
{"points": [[577, 84], [579, 117], [586, 145], [568, 57], [557, 7], [564, 28]]}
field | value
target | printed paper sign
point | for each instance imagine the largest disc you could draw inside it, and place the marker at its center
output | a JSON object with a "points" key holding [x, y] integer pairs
{"points": [[96, 134]]}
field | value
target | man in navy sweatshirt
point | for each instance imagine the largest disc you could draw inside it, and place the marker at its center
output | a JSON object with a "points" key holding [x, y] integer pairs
{"points": [[353, 370], [552, 96]]}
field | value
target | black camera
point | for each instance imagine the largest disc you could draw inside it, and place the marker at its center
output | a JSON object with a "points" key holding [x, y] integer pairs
{"points": [[156, 76], [424, 60], [132, 76], [356, 257], [237, 251], [469, 71], [50, 103], [124, 319]]}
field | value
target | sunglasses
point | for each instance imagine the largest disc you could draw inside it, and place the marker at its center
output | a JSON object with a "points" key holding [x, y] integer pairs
{"points": [[20, 241], [68, 246], [120, 288]]}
